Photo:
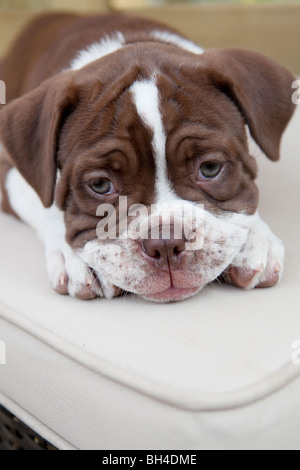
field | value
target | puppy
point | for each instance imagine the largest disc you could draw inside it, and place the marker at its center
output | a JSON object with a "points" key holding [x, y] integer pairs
{"points": [[124, 145]]}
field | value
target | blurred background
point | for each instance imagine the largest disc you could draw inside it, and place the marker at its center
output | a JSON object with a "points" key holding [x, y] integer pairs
{"points": [[271, 27]]}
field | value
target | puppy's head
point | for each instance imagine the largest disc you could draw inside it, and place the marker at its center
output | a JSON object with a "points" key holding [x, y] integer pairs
{"points": [[145, 150]]}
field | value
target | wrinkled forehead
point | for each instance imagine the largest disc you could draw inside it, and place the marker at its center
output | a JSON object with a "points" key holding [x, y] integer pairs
{"points": [[155, 91], [128, 128], [146, 115]]}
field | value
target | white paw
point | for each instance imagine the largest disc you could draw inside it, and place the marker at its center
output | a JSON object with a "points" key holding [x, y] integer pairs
{"points": [[260, 262], [69, 275]]}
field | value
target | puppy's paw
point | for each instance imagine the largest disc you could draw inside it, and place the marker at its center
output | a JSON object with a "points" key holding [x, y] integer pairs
{"points": [[260, 262], [69, 275]]}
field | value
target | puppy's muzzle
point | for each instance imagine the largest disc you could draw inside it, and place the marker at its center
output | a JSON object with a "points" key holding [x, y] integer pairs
{"points": [[164, 254]]}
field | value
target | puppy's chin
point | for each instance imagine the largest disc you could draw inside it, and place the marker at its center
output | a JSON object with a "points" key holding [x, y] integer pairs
{"points": [[172, 294]]}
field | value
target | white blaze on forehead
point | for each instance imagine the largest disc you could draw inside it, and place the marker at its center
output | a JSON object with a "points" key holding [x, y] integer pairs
{"points": [[147, 102], [97, 50], [177, 40]]}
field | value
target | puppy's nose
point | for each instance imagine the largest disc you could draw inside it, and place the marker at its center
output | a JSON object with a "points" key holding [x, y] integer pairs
{"points": [[164, 253]]}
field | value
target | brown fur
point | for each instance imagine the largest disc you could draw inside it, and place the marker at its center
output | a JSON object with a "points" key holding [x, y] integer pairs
{"points": [[84, 122]]}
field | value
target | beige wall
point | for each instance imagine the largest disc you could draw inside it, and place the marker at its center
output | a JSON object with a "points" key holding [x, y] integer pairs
{"points": [[14, 14], [10, 23], [54, 4], [271, 29]]}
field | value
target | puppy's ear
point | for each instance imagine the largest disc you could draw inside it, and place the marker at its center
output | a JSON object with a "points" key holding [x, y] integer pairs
{"points": [[30, 128], [260, 88]]}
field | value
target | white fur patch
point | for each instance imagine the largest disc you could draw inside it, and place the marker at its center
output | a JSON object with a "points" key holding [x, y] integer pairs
{"points": [[147, 102], [63, 264], [177, 40], [97, 50], [263, 252], [27, 205], [116, 41]]}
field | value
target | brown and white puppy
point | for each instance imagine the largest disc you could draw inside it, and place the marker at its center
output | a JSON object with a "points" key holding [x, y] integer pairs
{"points": [[109, 109]]}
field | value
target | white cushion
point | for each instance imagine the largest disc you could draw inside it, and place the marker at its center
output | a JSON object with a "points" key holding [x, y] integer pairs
{"points": [[212, 372]]}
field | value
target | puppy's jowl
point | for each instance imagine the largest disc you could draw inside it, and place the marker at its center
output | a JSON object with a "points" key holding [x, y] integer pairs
{"points": [[108, 107]]}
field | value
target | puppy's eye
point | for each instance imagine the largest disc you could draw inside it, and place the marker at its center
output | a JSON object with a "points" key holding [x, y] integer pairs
{"points": [[210, 170], [103, 186]]}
